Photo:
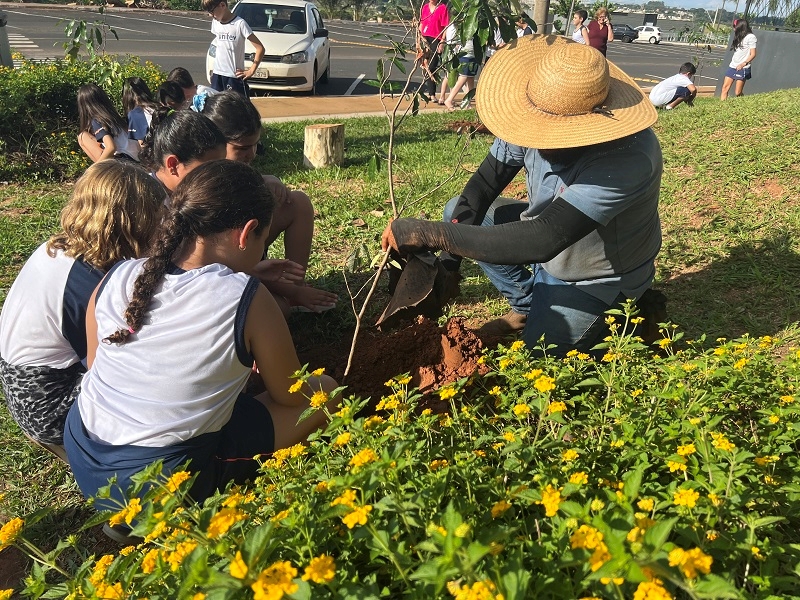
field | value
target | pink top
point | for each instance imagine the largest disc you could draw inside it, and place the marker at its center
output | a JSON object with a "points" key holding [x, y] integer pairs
{"points": [[433, 21]]}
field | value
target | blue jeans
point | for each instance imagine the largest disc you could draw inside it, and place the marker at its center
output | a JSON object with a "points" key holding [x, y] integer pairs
{"points": [[564, 314]]}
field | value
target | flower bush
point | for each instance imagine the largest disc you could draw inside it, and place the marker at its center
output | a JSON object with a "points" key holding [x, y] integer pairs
{"points": [[39, 114], [630, 476]]}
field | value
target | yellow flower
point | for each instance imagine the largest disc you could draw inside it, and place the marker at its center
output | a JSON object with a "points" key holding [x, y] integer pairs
{"points": [[109, 592], [175, 481], [321, 569], [447, 393], [646, 504], [509, 436], [597, 505], [763, 461], [555, 407], [281, 515], [10, 531], [127, 514], [787, 399], [222, 521], [317, 372], [521, 410], [495, 391], [199, 596], [715, 500], [126, 550], [275, 581], [589, 538], [462, 530], [439, 463], [364, 457], [318, 398], [499, 508], [296, 386], [579, 478], [531, 375], [99, 571], [342, 439], [348, 498], [686, 449], [551, 500], [357, 517], [675, 466], [721, 442], [616, 443], [238, 567], [545, 384], [480, 590], [774, 419], [569, 455], [651, 590], [664, 343], [685, 497], [712, 535], [690, 562], [150, 561], [177, 556], [614, 580], [739, 364], [373, 421], [504, 362], [6, 594], [756, 551], [695, 420]]}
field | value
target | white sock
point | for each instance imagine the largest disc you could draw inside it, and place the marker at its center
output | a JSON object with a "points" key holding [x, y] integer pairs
{"points": [[668, 107]]}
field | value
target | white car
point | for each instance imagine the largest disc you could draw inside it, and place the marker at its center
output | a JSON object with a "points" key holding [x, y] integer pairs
{"points": [[297, 52], [648, 33]]}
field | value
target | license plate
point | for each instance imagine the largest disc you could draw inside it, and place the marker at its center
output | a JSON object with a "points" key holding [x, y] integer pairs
{"points": [[262, 74]]}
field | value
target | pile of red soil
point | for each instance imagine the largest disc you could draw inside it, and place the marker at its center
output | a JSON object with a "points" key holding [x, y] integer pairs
{"points": [[434, 356]]}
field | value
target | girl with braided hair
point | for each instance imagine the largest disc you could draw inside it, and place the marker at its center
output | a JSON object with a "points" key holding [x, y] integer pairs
{"points": [[172, 340]]}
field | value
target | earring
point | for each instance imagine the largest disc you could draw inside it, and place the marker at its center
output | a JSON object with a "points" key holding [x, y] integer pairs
{"points": [[242, 248]]}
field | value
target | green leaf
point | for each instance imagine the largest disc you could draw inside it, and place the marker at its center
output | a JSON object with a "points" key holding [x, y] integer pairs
{"points": [[303, 590], [657, 535], [256, 544], [633, 480], [714, 586], [516, 578]]}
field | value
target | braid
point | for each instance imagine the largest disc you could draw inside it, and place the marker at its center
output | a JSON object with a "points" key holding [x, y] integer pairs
{"points": [[172, 234]]}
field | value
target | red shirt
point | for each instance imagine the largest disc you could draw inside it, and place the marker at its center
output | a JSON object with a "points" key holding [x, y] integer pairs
{"points": [[598, 36], [433, 22]]}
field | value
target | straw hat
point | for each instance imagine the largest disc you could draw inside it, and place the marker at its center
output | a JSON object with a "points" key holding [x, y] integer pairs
{"points": [[549, 92]]}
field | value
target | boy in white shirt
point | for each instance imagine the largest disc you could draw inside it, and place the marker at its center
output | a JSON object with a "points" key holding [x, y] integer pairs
{"points": [[676, 89], [231, 33]]}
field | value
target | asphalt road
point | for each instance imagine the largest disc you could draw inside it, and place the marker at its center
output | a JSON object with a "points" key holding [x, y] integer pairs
{"points": [[172, 39]]}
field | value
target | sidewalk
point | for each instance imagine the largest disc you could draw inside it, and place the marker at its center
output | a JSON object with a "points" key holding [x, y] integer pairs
{"points": [[275, 109]]}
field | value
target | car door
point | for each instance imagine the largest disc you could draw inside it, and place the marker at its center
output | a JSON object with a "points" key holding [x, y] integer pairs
{"points": [[321, 44]]}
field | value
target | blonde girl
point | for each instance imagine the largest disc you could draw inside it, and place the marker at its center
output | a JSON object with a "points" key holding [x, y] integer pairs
{"points": [[112, 215]]}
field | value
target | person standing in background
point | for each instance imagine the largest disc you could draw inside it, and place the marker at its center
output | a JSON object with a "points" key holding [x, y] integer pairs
{"points": [[522, 26], [433, 21], [581, 33], [744, 51], [600, 30]]}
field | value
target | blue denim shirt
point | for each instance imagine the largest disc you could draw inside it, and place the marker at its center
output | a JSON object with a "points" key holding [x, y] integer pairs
{"points": [[616, 184]]}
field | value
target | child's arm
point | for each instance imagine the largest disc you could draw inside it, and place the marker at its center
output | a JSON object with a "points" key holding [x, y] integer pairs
{"points": [[271, 345], [256, 59], [109, 148], [91, 331]]}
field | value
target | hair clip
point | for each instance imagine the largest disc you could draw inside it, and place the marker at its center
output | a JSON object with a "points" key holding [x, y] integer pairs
{"points": [[199, 102]]}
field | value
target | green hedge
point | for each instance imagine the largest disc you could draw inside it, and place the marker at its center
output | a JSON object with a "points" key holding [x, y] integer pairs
{"points": [[39, 115], [632, 476]]}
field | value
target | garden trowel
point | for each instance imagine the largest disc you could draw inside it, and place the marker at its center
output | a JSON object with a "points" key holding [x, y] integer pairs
{"points": [[422, 286]]}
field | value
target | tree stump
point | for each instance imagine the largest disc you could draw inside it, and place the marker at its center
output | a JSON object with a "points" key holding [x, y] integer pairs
{"points": [[324, 145]]}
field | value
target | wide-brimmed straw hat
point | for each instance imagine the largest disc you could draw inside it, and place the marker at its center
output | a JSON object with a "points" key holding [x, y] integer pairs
{"points": [[549, 92]]}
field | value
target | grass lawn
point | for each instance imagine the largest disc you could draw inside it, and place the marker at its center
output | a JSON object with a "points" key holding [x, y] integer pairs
{"points": [[729, 262]]}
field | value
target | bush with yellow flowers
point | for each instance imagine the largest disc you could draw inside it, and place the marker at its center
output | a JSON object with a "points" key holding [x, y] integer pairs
{"points": [[39, 114], [628, 475]]}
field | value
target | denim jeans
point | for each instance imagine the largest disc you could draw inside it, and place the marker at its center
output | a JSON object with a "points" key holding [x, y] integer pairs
{"points": [[564, 314]]}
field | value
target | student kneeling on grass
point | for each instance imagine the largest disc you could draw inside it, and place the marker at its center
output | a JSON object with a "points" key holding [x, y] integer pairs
{"points": [[112, 215], [676, 89], [171, 343]]}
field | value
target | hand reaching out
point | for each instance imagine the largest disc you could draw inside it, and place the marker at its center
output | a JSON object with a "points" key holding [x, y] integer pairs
{"points": [[279, 270]]}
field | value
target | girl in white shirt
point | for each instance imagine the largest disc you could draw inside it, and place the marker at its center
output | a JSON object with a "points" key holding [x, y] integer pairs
{"points": [[744, 51]]}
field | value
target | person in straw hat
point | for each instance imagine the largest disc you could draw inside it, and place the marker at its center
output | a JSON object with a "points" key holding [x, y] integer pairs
{"points": [[588, 235]]}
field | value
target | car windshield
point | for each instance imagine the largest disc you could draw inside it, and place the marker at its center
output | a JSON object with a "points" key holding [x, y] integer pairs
{"points": [[273, 17]]}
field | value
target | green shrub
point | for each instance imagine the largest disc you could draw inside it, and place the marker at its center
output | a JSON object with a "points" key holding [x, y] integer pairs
{"points": [[39, 115], [631, 476]]}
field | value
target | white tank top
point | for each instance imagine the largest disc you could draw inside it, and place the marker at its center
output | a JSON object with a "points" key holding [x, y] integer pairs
{"points": [[178, 376], [577, 35]]}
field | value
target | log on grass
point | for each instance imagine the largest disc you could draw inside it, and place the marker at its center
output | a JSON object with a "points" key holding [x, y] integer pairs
{"points": [[324, 145]]}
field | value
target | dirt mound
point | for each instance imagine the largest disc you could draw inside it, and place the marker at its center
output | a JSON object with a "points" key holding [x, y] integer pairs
{"points": [[432, 355]]}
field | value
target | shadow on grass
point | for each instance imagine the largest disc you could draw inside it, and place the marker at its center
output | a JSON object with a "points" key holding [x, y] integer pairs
{"points": [[753, 290]]}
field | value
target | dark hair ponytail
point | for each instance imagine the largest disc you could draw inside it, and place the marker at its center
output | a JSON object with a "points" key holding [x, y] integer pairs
{"points": [[170, 91], [217, 196], [234, 114], [184, 133], [135, 92], [740, 31]]}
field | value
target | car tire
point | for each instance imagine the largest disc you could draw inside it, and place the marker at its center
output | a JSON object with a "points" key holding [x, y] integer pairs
{"points": [[326, 76], [627, 39], [653, 40], [313, 90]]}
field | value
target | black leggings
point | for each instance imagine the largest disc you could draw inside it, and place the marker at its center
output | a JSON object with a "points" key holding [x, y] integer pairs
{"points": [[428, 84]]}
